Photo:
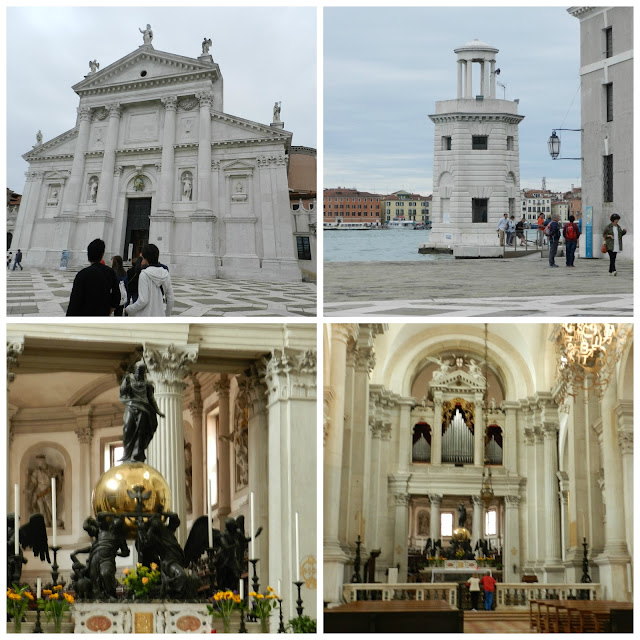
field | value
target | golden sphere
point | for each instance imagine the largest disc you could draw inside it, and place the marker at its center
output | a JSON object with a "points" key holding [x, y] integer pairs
{"points": [[460, 534], [111, 492]]}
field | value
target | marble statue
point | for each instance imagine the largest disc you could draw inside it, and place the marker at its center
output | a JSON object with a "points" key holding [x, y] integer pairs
{"points": [[462, 515], [39, 137], [39, 488], [474, 369], [93, 190], [187, 187], [140, 415], [206, 43], [276, 111], [94, 65], [443, 367], [147, 34]]}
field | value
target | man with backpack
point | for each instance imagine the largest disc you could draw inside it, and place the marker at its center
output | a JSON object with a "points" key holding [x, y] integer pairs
{"points": [[552, 233], [571, 233]]}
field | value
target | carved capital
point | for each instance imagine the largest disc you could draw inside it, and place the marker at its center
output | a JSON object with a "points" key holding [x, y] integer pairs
{"points": [[477, 501], [170, 103], [401, 499], [289, 373], [169, 365], [625, 441], [435, 499], [365, 358], [115, 110], [205, 99], [84, 113], [512, 500], [84, 434], [221, 386]]}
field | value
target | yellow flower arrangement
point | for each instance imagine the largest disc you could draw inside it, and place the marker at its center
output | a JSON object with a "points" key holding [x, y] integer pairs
{"points": [[263, 603], [54, 603], [222, 606], [17, 602], [141, 581]]}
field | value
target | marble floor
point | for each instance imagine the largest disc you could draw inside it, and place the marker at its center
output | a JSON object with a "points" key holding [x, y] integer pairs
{"points": [[45, 292]]}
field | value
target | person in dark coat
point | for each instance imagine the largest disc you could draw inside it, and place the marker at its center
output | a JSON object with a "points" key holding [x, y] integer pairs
{"points": [[95, 289], [133, 275]]}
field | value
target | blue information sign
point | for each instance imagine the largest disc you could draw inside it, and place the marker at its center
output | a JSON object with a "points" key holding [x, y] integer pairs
{"points": [[588, 248]]}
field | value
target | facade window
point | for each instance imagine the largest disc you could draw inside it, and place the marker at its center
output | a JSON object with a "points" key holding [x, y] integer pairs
{"points": [[446, 524], [608, 42], [446, 143], [512, 206], [479, 209], [509, 143], [607, 178], [113, 453], [608, 90], [479, 143], [490, 523]]}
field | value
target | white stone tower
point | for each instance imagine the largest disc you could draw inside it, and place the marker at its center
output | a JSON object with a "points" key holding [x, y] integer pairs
{"points": [[476, 167]]}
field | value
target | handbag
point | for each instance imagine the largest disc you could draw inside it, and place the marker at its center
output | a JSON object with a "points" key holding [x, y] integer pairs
{"points": [[604, 247]]}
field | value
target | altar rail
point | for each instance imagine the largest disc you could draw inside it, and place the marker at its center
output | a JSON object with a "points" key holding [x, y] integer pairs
{"points": [[409, 591], [516, 595]]}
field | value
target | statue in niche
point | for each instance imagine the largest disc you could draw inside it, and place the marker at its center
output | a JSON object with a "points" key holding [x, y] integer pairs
{"points": [[187, 186], [93, 189], [423, 523], [242, 461], [462, 515], [94, 65], [206, 43], [276, 111], [188, 472], [147, 34], [39, 488], [138, 183], [39, 138], [140, 415], [54, 195]]}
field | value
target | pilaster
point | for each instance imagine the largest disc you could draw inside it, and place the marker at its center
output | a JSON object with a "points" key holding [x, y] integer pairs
{"points": [[435, 500], [511, 550], [221, 387], [105, 187], [84, 433], [167, 171], [198, 446]]}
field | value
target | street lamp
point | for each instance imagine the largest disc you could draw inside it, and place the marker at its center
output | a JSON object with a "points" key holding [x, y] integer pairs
{"points": [[554, 145]]}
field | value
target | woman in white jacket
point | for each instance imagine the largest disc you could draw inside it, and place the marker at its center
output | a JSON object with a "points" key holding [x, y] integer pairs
{"points": [[154, 283]]}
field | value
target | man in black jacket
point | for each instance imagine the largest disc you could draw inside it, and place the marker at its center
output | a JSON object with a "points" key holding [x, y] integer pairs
{"points": [[95, 289]]}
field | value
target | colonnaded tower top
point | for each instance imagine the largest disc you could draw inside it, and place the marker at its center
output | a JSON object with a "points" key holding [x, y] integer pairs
{"points": [[476, 167]]}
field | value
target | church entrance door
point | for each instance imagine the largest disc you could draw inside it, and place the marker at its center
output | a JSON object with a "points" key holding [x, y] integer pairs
{"points": [[138, 222]]}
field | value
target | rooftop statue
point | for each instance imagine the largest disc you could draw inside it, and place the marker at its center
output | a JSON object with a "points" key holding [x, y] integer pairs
{"points": [[206, 43], [94, 65], [276, 111], [140, 416], [147, 34]]}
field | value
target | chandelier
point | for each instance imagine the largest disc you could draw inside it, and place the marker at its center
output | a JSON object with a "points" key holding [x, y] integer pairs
{"points": [[486, 492], [587, 352]]}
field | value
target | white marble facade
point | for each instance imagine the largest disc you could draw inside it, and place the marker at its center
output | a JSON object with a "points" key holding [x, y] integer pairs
{"points": [[243, 397], [476, 155], [566, 468], [154, 158]]}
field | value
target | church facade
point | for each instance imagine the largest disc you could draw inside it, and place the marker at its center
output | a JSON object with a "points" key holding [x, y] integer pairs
{"points": [[154, 158], [503, 430], [239, 405]]}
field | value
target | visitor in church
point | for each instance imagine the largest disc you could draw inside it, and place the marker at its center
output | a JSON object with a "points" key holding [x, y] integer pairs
{"points": [[121, 274], [474, 591], [488, 584], [95, 290], [154, 286]]}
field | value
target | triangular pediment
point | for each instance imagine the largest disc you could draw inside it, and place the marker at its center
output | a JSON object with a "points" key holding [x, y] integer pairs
{"points": [[458, 380], [153, 64], [225, 127], [61, 145], [238, 165]]}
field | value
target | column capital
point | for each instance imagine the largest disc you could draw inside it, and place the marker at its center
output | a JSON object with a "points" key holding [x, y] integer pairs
{"points": [[84, 113], [529, 436], [512, 501], [14, 349], [401, 499], [625, 441], [222, 385], [477, 501], [550, 430], [205, 98], [170, 103], [170, 364], [289, 373], [84, 434], [365, 358], [435, 499], [343, 332], [115, 109]]}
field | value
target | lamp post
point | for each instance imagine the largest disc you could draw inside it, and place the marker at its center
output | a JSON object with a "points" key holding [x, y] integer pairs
{"points": [[554, 145]]}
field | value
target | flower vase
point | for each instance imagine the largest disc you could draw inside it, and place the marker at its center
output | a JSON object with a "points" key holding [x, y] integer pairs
{"points": [[264, 624], [17, 624], [226, 624], [57, 624]]}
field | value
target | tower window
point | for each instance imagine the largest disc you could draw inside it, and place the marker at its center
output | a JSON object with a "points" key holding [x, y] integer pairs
{"points": [[608, 42], [479, 208], [607, 178], [608, 91], [509, 143], [446, 143], [479, 143]]}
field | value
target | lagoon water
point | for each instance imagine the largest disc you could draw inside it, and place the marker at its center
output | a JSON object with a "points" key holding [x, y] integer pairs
{"points": [[379, 245]]}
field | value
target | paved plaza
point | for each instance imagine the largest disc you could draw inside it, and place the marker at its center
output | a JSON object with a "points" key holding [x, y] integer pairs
{"points": [[45, 292], [466, 288]]}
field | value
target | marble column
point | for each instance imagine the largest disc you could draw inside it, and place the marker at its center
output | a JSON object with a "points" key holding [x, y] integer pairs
{"points": [[167, 171], [224, 447], [400, 537], [167, 368], [478, 521], [204, 155], [460, 79], [563, 496], [509, 454], [436, 501], [73, 192], [492, 89], [436, 432], [539, 523], [198, 462], [469, 91], [553, 568], [483, 83], [347, 521], [404, 445], [103, 203], [14, 351], [83, 483], [374, 489], [479, 431], [511, 547], [624, 412], [334, 557]]}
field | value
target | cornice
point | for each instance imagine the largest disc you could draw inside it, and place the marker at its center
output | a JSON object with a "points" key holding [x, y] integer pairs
{"points": [[34, 154], [509, 118]]}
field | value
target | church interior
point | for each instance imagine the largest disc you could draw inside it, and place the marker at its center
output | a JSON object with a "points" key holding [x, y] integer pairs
{"points": [[236, 409], [454, 450]]}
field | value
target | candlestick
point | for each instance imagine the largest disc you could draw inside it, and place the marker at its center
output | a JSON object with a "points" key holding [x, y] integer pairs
{"points": [[209, 514], [297, 551], [39, 587], [253, 526], [55, 566], [254, 580], [53, 509], [281, 628], [299, 608], [16, 509]]}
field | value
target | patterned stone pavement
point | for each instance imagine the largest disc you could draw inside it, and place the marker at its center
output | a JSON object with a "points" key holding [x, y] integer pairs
{"points": [[45, 292]]}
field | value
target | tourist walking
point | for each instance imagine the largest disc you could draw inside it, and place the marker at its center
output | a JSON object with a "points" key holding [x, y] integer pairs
{"points": [[502, 228], [488, 583], [571, 233], [95, 290], [520, 232], [154, 284], [511, 230], [18, 260], [540, 230], [474, 591], [613, 240], [121, 274], [553, 236]]}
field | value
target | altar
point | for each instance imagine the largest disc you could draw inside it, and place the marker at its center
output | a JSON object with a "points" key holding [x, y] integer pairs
{"points": [[450, 569]]}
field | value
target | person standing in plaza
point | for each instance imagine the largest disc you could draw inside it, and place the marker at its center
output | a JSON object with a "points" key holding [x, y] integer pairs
{"points": [[540, 230], [613, 240], [511, 230], [95, 290], [571, 233], [18, 260], [488, 584], [520, 232], [503, 224], [474, 591], [154, 284], [554, 237]]}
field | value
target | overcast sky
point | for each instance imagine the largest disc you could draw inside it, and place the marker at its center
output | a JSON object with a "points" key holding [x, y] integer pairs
{"points": [[385, 68], [265, 54]]}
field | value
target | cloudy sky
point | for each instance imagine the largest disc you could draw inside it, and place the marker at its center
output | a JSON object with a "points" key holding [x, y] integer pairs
{"points": [[385, 68], [265, 54]]}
